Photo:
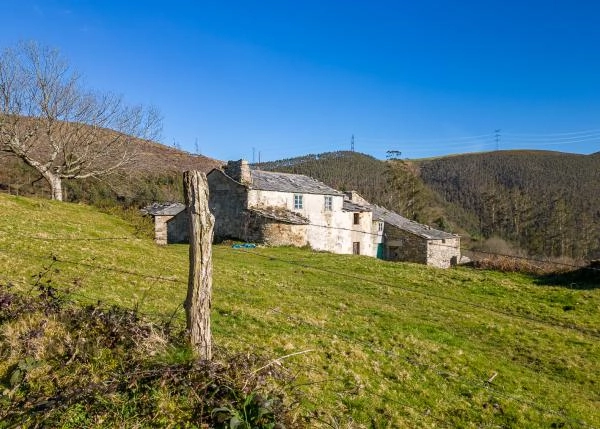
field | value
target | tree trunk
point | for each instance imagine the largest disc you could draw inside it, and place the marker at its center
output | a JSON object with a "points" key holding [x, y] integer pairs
{"points": [[56, 186], [198, 301]]}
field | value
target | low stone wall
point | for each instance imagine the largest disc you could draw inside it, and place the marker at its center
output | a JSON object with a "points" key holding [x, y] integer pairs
{"points": [[258, 229]]}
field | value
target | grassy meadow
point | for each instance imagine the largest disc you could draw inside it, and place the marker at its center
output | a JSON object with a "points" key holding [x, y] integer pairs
{"points": [[369, 343]]}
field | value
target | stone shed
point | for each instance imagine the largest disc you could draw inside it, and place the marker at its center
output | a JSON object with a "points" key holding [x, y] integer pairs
{"points": [[170, 222], [409, 241]]}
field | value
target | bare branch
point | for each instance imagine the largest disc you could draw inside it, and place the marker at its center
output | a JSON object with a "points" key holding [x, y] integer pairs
{"points": [[61, 129]]}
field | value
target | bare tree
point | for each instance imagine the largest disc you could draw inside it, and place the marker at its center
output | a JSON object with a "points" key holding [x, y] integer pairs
{"points": [[55, 125]]}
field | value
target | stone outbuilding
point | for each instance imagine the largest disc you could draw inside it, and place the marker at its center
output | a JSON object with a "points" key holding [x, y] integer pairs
{"points": [[409, 241], [170, 222]]}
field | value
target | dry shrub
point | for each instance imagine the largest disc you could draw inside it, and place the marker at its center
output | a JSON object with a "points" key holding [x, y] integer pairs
{"points": [[63, 365], [515, 264]]}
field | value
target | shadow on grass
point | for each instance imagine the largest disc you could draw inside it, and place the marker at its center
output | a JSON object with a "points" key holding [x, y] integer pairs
{"points": [[585, 278]]}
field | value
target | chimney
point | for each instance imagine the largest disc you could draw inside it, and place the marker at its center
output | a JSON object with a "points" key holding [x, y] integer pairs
{"points": [[239, 171], [355, 197]]}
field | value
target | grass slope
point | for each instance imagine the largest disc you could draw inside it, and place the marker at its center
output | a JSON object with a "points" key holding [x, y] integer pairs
{"points": [[383, 344]]}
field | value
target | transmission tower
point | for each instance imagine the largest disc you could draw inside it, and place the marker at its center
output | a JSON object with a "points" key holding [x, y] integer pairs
{"points": [[352, 143], [497, 137]]}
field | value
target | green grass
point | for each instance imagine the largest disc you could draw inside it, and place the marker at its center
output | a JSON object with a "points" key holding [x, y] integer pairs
{"points": [[385, 344]]}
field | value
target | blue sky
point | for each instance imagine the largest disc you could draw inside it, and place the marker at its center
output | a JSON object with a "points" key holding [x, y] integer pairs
{"points": [[235, 79]]}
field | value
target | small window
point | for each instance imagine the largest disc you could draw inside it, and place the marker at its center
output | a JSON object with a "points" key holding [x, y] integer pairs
{"points": [[328, 203], [356, 248], [356, 218], [298, 201], [380, 226]]}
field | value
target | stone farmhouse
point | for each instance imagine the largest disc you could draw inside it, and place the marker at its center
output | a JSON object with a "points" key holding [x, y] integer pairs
{"points": [[292, 209], [286, 209]]}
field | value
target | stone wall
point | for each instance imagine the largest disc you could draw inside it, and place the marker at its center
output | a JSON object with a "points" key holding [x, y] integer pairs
{"points": [[443, 253], [258, 229], [160, 229], [239, 171], [171, 229], [227, 202], [178, 228], [404, 246]]}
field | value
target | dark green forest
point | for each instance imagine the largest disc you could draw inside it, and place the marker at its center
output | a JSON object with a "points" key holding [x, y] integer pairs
{"points": [[547, 203], [542, 203]]}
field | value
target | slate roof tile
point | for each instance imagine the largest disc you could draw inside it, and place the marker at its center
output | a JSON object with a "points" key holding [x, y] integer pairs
{"points": [[285, 182], [413, 227]]}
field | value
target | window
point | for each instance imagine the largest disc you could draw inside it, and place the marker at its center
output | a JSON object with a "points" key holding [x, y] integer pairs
{"points": [[380, 226], [297, 201], [356, 218], [356, 248], [328, 203]]}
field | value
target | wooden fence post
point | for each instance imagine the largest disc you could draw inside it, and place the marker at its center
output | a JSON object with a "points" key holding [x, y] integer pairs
{"points": [[198, 301]]}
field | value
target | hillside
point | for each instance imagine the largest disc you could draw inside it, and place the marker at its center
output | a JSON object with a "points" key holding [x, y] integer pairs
{"points": [[374, 344], [546, 203], [154, 175]]}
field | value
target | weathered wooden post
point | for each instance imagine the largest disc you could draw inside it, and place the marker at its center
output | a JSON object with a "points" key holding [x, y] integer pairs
{"points": [[197, 303]]}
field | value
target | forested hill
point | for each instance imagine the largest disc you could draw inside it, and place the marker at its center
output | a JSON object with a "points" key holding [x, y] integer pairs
{"points": [[341, 170], [546, 203], [392, 184]]}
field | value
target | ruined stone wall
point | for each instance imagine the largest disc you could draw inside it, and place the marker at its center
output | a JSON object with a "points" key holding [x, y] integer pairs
{"points": [[283, 234], [258, 229], [227, 202]]}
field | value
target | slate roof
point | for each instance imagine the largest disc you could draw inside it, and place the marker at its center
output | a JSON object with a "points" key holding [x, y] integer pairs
{"points": [[280, 214], [164, 209], [285, 182], [349, 206], [405, 224]]}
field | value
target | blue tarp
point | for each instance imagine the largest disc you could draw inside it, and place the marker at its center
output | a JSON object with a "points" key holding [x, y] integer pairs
{"points": [[244, 246]]}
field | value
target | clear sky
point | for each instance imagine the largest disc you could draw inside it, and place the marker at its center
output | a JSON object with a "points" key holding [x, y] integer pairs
{"points": [[279, 78]]}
